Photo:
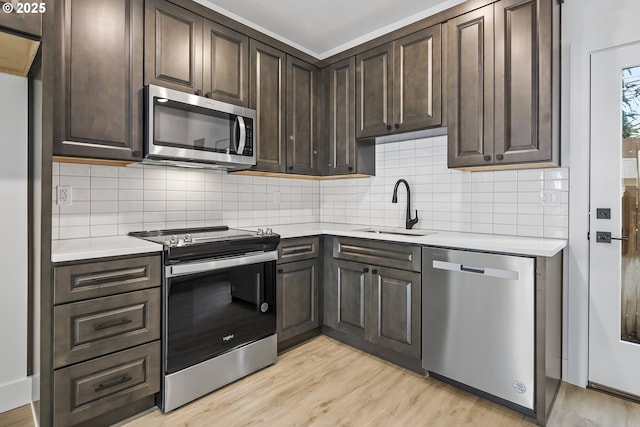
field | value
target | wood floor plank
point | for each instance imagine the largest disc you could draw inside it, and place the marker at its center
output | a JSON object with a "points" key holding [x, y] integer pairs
{"points": [[19, 417], [324, 383]]}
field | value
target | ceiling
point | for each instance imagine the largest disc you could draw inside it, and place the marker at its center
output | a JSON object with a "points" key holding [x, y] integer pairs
{"points": [[326, 27]]}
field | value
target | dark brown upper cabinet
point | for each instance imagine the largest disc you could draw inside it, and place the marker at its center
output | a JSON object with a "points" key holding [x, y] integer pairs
{"points": [[341, 117], [302, 148], [398, 85], [173, 47], [470, 87], [99, 97], [268, 90], [502, 86], [226, 64], [283, 92], [187, 52]]}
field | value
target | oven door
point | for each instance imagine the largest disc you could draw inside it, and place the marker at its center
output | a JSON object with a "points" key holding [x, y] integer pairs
{"points": [[216, 306]]}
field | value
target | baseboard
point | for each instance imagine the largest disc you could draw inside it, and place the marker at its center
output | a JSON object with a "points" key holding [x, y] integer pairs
{"points": [[15, 394]]}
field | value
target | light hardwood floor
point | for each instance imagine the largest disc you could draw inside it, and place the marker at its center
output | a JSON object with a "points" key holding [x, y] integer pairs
{"points": [[326, 383]]}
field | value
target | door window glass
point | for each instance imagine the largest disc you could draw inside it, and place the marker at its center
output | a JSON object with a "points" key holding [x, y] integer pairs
{"points": [[630, 197]]}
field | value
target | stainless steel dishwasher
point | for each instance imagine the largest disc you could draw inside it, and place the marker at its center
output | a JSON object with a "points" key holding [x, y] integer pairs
{"points": [[478, 323]]}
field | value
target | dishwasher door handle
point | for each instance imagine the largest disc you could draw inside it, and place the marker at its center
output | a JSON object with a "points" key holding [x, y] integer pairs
{"points": [[485, 271], [471, 269]]}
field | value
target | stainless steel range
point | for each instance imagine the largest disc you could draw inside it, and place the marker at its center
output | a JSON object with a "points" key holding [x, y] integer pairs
{"points": [[219, 319]]}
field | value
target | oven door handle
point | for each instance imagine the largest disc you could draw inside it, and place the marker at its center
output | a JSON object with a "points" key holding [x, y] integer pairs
{"points": [[219, 264]]}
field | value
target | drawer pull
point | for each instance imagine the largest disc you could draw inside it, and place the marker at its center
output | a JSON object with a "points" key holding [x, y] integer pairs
{"points": [[101, 326], [111, 276], [113, 383]]}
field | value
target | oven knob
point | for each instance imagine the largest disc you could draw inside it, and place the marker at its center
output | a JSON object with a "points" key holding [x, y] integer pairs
{"points": [[268, 232], [260, 233], [173, 241], [188, 239], [264, 307]]}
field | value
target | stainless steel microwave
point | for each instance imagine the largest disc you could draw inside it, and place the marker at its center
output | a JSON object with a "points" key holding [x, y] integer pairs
{"points": [[191, 130]]}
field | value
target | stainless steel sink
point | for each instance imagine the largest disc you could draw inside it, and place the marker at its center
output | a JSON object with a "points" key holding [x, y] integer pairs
{"points": [[397, 232]]}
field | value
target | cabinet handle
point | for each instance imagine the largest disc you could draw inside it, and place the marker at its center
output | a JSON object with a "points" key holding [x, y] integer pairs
{"points": [[350, 168], [113, 383], [397, 126], [280, 271], [388, 127], [487, 157], [499, 157], [101, 326], [365, 270], [374, 271], [290, 168]]}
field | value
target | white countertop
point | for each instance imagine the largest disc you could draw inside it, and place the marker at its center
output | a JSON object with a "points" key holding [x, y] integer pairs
{"points": [[99, 247], [534, 246]]}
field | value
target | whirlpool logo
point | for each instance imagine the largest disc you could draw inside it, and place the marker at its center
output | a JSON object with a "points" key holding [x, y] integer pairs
{"points": [[228, 338], [519, 387]]}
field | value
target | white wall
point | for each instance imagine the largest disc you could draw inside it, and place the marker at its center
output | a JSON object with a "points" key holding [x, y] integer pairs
{"points": [[15, 386], [587, 26]]}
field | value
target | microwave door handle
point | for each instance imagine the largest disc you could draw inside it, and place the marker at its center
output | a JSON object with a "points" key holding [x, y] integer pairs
{"points": [[243, 135]]}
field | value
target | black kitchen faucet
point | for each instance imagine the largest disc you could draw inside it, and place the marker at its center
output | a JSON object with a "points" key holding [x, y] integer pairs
{"points": [[410, 222]]}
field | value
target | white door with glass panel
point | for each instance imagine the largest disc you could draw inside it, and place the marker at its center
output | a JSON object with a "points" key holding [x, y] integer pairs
{"points": [[614, 267]]}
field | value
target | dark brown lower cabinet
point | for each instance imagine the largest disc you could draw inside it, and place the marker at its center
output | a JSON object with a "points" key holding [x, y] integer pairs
{"points": [[298, 290], [87, 390], [106, 341], [375, 307], [378, 304]]}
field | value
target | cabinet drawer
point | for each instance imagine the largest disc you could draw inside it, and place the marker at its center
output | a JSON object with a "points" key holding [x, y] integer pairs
{"points": [[298, 249], [96, 279], [87, 390], [87, 329], [386, 254]]}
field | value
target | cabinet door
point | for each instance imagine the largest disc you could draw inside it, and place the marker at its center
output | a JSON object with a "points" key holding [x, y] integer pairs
{"points": [[297, 296], [342, 140], [522, 83], [345, 297], [374, 87], [268, 67], [302, 150], [99, 95], [470, 88], [417, 78], [394, 317], [173, 47], [226, 64]]}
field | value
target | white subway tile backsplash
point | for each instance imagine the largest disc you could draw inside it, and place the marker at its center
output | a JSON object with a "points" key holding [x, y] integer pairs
{"points": [[75, 169], [116, 200]]}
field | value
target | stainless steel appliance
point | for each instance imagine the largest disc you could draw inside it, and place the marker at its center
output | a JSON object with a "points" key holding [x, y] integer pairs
{"points": [[219, 320], [191, 130], [478, 323]]}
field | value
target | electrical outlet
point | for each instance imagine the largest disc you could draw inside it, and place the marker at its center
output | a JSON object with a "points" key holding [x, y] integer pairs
{"points": [[549, 198], [64, 195]]}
